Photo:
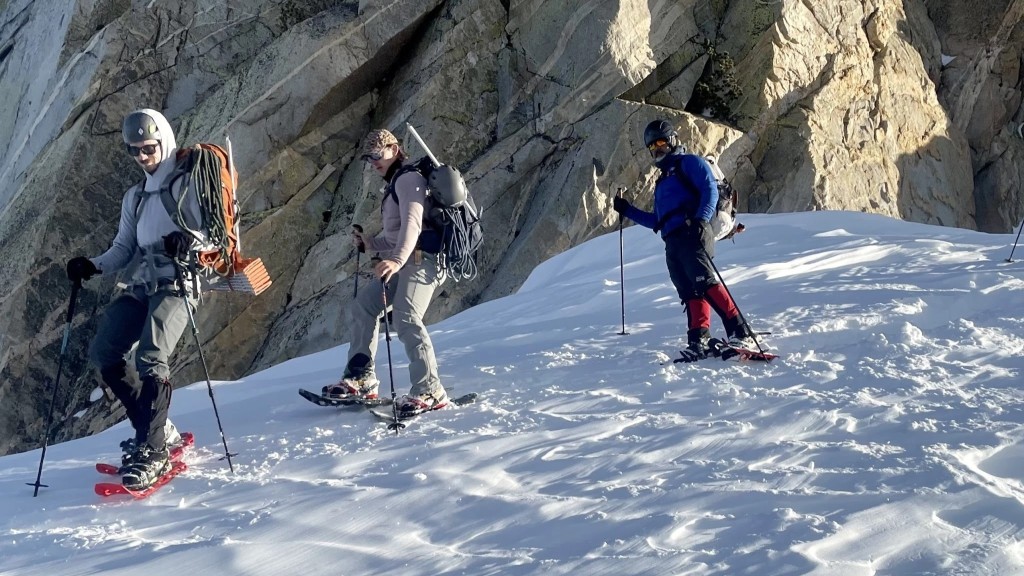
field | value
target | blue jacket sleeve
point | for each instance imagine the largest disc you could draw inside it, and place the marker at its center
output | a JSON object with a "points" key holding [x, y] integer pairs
{"points": [[645, 219], [699, 172]]}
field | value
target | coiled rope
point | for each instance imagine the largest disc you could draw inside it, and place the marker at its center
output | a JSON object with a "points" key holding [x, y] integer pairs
{"points": [[457, 239], [204, 179]]}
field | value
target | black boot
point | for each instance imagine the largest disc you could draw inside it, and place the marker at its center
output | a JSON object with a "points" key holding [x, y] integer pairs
{"points": [[742, 337], [697, 346], [130, 446], [148, 465]]}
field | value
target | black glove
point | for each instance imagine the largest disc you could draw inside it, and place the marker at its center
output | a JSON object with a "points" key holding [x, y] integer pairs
{"points": [[81, 268], [620, 205], [177, 245]]}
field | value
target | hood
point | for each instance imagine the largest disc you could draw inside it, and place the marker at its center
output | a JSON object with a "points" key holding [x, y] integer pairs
{"points": [[168, 145]]}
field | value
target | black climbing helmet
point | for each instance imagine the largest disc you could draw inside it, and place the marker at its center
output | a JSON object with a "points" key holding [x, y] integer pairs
{"points": [[139, 126], [661, 130]]}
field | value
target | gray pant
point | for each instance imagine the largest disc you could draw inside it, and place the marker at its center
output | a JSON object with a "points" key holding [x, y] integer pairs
{"points": [[409, 293], [156, 322]]}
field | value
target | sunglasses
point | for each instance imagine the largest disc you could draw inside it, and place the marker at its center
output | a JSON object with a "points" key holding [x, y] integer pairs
{"points": [[376, 155], [147, 149], [656, 144]]}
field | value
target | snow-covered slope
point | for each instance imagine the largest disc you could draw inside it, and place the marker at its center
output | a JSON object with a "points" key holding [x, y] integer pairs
{"points": [[886, 439]]}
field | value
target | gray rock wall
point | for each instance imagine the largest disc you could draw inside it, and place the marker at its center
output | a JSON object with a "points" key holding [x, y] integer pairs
{"points": [[908, 108]]}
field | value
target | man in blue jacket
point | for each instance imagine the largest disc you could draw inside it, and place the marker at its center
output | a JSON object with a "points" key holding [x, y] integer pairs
{"points": [[685, 199]]}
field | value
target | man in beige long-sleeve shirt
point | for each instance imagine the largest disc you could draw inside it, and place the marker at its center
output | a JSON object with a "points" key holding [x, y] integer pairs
{"points": [[411, 273]]}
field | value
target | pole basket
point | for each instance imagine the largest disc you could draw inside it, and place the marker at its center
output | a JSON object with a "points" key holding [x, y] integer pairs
{"points": [[247, 275]]}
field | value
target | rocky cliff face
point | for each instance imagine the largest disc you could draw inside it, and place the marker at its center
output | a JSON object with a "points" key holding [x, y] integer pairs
{"points": [[910, 108]]}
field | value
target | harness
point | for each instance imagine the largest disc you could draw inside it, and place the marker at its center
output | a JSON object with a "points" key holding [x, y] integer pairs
{"points": [[153, 256]]}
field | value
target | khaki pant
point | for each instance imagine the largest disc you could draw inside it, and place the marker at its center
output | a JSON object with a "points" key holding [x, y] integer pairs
{"points": [[409, 293]]}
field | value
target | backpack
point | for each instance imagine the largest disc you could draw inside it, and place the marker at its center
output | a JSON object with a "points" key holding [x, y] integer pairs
{"points": [[451, 218], [207, 170], [723, 223]]}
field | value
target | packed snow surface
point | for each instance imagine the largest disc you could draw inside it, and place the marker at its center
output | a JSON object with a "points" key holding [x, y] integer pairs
{"points": [[886, 439]]}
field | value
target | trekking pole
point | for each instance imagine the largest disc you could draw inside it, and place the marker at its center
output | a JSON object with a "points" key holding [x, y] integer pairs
{"points": [[75, 287], [179, 269], [396, 425], [1010, 259], [359, 250], [742, 318], [622, 273]]}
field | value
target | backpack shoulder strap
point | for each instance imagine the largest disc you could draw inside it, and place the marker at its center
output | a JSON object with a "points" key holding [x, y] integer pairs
{"points": [[137, 189], [414, 167]]}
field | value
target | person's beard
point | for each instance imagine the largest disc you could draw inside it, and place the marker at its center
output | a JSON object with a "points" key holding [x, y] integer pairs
{"points": [[658, 156]]}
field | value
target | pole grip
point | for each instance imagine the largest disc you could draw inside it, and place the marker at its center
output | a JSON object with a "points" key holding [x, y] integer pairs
{"points": [[362, 248]]}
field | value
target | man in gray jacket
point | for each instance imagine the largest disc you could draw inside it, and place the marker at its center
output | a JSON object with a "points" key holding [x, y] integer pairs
{"points": [[151, 311], [410, 270]]}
